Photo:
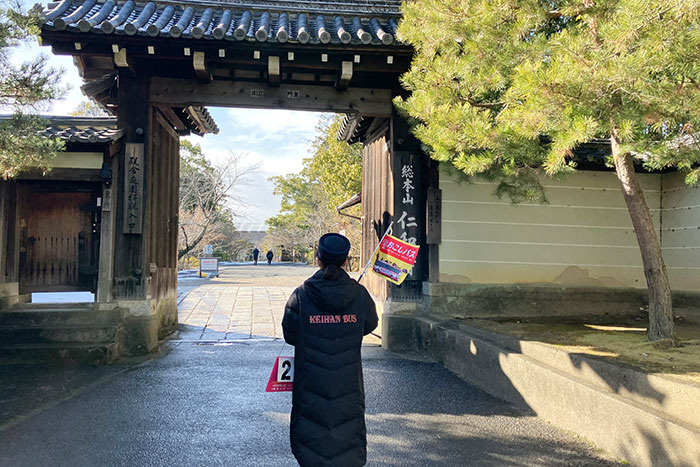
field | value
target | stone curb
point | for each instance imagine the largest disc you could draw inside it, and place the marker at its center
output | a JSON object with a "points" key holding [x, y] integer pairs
{"points": [[645, 419]]}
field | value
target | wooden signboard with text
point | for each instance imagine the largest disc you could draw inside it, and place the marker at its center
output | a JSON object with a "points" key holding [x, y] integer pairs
{"points": [[434, 216], [133, 188]]}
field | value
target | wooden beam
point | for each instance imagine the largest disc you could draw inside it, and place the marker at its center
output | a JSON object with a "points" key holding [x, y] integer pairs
{"points": [[173, 119], [350, 130], [114, 148], [79, 62], [99, 86], [345, 76], [195, 118], [91, 175], [121, 59], [273, 70], [199, 62], [181, 92], [166, 124]]}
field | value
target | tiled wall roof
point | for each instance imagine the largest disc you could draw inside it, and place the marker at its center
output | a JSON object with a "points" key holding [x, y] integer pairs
{"points": [[361, 22], [80, 129], [83, 129]]}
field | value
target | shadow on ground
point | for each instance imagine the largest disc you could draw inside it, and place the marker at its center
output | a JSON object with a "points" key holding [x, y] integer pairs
{"points": [[420, 414], [499, 364], [206, 406]]}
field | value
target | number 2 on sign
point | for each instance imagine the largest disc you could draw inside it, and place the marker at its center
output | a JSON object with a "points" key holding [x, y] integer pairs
{"points": [[285, 370]]}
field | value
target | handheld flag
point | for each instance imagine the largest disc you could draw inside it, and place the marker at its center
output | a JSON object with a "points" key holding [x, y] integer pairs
{"points": [[394, 259], [371, 258]]}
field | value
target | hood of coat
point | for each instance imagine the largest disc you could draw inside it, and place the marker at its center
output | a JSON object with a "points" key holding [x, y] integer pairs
{"points": [[331, 296]]}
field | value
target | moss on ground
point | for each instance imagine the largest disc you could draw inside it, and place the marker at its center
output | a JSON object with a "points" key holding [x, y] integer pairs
{"points": [[624, 341]]}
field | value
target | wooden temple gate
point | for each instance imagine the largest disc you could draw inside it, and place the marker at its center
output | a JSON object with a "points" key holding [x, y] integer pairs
{"points": [[59, 237], [50, 224], [155, 66]]}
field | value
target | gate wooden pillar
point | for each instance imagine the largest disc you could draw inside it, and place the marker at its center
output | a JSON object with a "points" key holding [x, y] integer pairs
{"points": [[105, 277], [400, 185], [131, 284], [9, 247], [411, 170], [413, 180], [130, 268]]}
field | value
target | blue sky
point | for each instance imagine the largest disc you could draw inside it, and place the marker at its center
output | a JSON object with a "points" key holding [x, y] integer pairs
{"points": [[277, 139]]}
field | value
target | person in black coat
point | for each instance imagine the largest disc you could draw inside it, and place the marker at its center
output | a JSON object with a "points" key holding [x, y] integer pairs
{"points": [[269, 256], [256, 253], [325, 320]]}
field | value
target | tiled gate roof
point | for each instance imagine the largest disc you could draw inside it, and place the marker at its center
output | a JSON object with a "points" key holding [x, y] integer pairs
{"points": [[361, 22]]}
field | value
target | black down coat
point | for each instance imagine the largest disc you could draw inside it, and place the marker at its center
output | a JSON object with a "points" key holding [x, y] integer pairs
{"points": [[325, 320]]}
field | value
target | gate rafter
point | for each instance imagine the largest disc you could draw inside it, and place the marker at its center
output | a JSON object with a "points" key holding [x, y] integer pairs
{"points": [[341, 45]]}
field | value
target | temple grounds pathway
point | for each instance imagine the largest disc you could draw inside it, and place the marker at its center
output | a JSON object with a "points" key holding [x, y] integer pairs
{"points": [[244, 302], [201, 401]]}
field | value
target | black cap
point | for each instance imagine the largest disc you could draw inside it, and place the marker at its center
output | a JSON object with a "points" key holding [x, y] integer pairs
{"points": [[333, 248]]}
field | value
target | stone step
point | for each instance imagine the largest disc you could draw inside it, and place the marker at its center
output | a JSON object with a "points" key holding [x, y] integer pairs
{"points": [[75, 333], [50, 317], [78, 353]]}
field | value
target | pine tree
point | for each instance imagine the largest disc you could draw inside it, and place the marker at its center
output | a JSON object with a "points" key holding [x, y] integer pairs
{"points": [[504, 88], [24, 90]]}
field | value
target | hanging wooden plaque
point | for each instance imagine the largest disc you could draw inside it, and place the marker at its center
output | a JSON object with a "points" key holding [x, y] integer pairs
{"points": [[434, 215], [133, 188]]}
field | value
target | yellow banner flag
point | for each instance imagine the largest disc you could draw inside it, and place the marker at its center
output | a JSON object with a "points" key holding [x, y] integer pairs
{"points": [[394, 259]]}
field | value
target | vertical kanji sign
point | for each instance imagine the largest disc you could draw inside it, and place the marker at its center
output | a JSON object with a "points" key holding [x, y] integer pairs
{"points": [[409, 204], [394, 259], [133, 188], [407, 223]]}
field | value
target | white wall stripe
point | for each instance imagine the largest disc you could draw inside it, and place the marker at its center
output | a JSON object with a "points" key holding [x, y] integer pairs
{"points": [[554, 187], [493, 203], [571, 245], [689, 227], [681, 188], [533, 263], [527, 263], [679, 208], [578, 226]]}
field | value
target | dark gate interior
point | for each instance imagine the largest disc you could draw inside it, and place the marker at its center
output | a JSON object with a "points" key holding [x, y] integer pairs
{"points": [[59, 237]]}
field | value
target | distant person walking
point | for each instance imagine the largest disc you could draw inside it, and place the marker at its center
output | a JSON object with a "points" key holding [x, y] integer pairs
{"points": [[325, 320], [256, 253], [269, 256]]}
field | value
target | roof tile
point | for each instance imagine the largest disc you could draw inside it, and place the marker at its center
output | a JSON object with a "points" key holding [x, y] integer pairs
{"points": [[337, 22]]}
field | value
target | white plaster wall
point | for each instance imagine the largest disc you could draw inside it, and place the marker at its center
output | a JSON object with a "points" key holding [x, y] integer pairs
{"points": [[680, 231], [78, 160], [584, 236]]}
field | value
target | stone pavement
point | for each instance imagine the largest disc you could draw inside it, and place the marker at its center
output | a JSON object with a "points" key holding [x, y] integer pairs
{"points": [[214, 312], [242, 303], [201, 402]]}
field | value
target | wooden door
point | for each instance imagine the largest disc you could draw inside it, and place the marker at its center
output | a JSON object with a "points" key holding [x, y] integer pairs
{"points": [[58, 241]]}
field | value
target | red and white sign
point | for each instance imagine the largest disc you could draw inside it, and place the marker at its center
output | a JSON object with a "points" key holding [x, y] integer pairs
{"points": [[399, 249], [282, 376], [209, 264]]}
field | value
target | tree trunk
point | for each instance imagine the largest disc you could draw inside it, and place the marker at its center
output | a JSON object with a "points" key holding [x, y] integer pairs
{"points": [[181, 253], [660, 305]]}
